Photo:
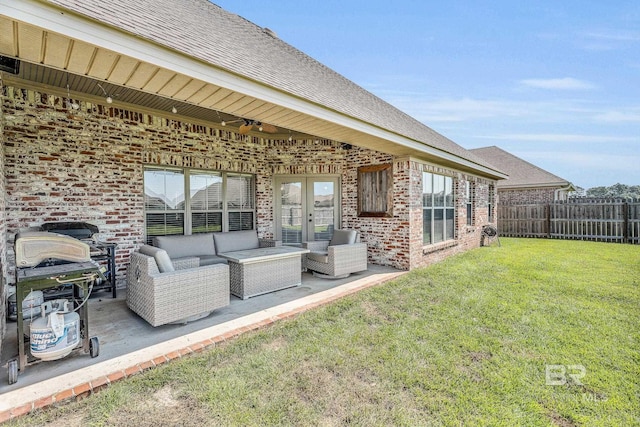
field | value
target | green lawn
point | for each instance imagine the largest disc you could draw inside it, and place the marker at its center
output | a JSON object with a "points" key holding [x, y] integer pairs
{"points": [[468, 341]]}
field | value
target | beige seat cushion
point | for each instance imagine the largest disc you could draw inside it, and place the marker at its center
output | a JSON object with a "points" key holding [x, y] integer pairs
{"points": [[318, 257]]}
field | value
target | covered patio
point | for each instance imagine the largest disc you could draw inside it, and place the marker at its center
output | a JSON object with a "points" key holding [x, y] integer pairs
{"points": [[145, 124], [99, 102], [129, 345]]}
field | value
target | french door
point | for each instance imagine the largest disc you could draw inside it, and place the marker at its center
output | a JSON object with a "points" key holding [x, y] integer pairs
{"points": [[307, 208]]}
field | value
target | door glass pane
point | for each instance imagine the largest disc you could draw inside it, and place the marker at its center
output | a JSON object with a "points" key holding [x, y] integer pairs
{"points": [[323, 210], [291, 212]]}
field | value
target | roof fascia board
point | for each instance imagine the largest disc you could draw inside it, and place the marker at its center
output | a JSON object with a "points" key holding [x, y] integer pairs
{"points": [[48, 17], [430, 163], [534, 186]]}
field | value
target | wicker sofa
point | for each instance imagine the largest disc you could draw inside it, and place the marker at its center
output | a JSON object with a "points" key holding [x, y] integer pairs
{"points": [[336, 258], [206, 246], [161, 291]]}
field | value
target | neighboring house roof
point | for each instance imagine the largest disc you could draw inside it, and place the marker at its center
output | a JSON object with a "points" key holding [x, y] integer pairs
{"points": [[522, 174], [217, 37]]}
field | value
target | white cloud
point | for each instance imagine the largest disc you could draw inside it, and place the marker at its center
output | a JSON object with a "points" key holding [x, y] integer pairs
{"points": [[551, 137], [619, 116], [584, 160], [614, 35], [607, 40], [582, 167], [566, 83], [450, 110], [455, 110]]}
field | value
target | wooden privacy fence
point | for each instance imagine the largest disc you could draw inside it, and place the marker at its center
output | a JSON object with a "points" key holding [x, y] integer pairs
{"points": [[608, 220]]}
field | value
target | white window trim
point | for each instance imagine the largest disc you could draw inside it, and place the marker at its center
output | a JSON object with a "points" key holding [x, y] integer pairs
{"points": [[443, 208]]}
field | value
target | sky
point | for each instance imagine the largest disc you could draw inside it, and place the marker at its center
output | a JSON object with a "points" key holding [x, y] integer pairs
{"points": [[556, 83]]}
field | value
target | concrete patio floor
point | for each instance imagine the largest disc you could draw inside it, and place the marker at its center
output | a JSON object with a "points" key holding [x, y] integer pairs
{"points": [[129, 345]]}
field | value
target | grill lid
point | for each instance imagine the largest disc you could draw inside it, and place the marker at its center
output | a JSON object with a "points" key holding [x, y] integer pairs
{"points": [[79, 230], [34, 247]]}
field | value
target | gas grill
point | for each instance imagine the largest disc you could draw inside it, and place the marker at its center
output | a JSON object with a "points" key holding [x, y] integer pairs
{"points": [[103, 252], [76, 269]]}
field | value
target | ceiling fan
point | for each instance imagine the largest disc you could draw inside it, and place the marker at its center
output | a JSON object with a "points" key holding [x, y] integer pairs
{"points": [[248, 125]]}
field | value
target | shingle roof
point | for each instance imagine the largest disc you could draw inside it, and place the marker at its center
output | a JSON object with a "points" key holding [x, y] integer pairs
{"points": [[521, 173], [209, 33]]}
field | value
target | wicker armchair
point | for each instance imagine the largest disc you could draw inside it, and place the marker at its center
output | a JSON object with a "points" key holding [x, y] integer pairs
{"points": [[337, 258], [161, 292]]}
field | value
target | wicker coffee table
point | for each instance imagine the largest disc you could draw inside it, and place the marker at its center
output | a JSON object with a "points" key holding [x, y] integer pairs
{"points": [[259, 271]]}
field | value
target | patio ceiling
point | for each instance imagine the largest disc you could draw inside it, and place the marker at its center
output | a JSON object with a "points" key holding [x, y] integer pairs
{"points": [[53, 61], [56, 49], [83, 87]]}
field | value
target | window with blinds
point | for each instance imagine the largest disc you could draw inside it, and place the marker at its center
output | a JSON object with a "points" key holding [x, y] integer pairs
{"points": [[206, 201], [437, 208], [469, 196], [183, 201], [164, 202], [240, 202]]}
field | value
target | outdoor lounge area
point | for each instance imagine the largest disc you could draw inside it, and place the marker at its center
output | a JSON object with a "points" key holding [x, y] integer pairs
{"points": [[128, 341], [143, 126], [184, 278]]}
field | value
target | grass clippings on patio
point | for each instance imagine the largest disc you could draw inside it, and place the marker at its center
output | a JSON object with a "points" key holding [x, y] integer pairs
{"points": [[478, 339]]}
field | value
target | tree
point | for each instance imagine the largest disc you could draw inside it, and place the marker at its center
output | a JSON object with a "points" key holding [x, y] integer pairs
{"points": [[616, 190]]}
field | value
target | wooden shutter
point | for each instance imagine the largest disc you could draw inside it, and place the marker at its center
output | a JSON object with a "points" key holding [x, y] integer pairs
{"points": [[375, 191]]}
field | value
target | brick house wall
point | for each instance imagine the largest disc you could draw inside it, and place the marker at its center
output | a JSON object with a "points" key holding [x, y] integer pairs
{"points": [[385, 237], [87, 165], [398, 241], [3, 229], [527, 196]]}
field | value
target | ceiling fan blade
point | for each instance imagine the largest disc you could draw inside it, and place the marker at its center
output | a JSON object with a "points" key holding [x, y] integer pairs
{"points": [[245, 129], [269, 128], [229, 122]]}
